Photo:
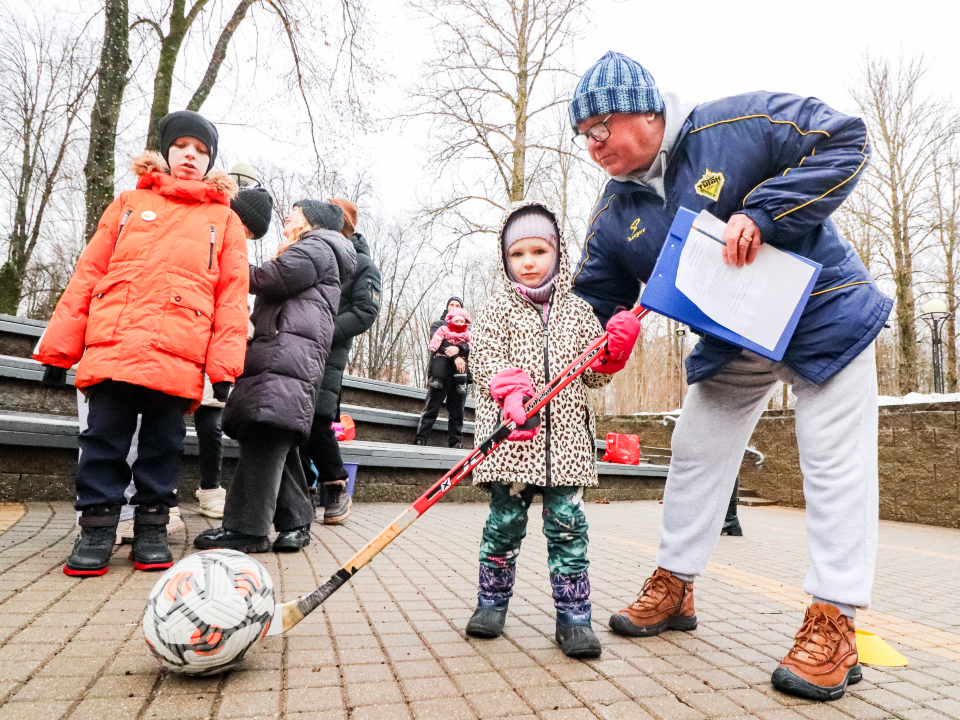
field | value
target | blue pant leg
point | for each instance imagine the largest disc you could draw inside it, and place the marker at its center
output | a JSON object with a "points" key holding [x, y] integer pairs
{"points": [[500, 545], [565, 527]]}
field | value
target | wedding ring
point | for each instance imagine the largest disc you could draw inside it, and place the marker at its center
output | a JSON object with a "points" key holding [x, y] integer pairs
{"points": [[748, 238]]}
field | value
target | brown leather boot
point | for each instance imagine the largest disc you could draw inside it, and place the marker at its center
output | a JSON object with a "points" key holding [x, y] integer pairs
{"points": [[665, 603], [823, 660]]}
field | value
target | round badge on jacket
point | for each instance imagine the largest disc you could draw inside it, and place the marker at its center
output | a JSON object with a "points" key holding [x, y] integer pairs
{"points": [[148, 215]]}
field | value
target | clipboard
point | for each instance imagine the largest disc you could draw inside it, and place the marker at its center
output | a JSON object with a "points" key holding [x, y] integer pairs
{"points": [[662, 296]]}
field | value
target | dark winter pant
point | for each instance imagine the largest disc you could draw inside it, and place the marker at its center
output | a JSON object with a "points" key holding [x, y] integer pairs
{"points": [[207, 420], [565, 527], [324, 449], [269, 485], [447, 394], [102, 471]]}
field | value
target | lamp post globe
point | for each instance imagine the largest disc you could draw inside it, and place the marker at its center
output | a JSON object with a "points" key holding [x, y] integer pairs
{"points": [[935, 308], [934, 314]]}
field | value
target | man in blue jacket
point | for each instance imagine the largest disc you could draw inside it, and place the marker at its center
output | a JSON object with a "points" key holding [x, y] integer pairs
{"points": [[774, 167]]}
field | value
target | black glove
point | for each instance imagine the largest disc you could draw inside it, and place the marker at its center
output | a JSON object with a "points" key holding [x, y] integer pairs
{"points": [[221, 390], [54, 376]]}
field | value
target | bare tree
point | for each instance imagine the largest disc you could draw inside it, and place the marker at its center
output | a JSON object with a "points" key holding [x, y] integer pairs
{"points": [[902, 124], [392, 348], [946, 219], [111, 84], [488, 93], [299, 23], [45, 82]]}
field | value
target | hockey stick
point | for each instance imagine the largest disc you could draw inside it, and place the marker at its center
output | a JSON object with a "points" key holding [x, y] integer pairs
{"points": [[288, 614]]}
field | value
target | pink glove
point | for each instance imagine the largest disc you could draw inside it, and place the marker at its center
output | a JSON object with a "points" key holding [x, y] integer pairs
{"points": [[622, 331], [509, 387]]}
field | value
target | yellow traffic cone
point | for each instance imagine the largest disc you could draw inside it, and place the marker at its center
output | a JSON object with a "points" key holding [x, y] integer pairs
{"points": [[873, 650]]}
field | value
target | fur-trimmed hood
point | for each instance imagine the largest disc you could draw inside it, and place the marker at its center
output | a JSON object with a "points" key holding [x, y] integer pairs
{"points": [[562, 282], [153, 172]]}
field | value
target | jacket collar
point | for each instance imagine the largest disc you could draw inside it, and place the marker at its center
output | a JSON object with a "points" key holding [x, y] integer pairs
{"points": [[675, 114], [154, 174]]}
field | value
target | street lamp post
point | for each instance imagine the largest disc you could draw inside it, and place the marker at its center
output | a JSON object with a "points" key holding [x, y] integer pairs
{"points": [[934, 314]]}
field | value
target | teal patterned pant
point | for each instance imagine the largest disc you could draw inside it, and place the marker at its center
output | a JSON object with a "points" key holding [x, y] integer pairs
{"points": [[564, 525]]}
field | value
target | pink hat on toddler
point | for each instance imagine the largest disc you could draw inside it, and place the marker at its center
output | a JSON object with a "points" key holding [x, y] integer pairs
{"points": [[533, 221], [459, 316]]}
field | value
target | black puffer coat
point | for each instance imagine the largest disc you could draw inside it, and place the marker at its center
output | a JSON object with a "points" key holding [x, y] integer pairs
{"points": [[293, 318], [359, 306]]}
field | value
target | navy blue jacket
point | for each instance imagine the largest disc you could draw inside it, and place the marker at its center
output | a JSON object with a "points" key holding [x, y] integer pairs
{"points": [[786, 162]]}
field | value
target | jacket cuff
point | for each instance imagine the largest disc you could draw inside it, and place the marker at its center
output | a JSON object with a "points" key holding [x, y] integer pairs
{"points": [[763, 221], [216, 377]]}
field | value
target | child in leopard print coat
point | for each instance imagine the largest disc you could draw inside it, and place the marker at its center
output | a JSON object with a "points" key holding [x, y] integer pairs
{"points": [[529, 331]]}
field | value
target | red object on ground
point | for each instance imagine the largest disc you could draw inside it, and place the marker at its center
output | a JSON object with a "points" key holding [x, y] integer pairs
{"points": [[622, 449], [345, 429]]}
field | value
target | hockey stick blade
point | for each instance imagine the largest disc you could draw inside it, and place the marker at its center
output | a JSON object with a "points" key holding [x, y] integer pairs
{"points": [[287, 615]]}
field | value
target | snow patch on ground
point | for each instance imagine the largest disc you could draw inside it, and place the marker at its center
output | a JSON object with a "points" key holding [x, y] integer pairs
{"points": [[916, 398]]}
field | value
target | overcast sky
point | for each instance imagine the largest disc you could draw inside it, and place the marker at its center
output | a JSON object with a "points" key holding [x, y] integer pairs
{"points": [[702, 49]]}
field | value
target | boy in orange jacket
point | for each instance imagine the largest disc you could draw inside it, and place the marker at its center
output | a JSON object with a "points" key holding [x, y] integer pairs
{"points": [[158, 297]]}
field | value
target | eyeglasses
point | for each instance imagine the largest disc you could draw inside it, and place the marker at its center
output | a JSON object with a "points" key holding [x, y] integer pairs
{"points": [[598, 131]]}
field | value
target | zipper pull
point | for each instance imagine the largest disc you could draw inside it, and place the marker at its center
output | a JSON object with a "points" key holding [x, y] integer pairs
{"points": [[123, 221], [213, 241]]}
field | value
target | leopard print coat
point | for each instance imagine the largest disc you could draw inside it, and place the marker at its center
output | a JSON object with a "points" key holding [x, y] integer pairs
{"points": [[510, 332]]}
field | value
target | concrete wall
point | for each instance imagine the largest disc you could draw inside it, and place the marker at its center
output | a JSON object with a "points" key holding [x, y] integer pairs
{"points": [[919, 459]]}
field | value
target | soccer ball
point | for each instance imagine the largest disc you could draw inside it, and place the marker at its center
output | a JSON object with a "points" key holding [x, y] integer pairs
{"points": [[206, 611]]}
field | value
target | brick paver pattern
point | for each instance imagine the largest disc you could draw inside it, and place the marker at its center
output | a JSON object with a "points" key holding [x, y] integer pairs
{"points": [[391, 644]]}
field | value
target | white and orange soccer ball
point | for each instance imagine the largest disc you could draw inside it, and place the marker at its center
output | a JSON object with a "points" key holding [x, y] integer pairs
{"points": [[206, 611]]}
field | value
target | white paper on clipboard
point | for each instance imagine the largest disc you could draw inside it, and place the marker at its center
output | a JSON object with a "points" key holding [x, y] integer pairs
{"points": [[755, 301]]}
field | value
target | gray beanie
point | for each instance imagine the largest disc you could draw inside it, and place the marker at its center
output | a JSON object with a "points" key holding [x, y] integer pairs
{"points": [[532, 221], [321, 215], [614, 84]]}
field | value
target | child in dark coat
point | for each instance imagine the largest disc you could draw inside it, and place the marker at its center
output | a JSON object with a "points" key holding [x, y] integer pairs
{"points": [[270, 411]]}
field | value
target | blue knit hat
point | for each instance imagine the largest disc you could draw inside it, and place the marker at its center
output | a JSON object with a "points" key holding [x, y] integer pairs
{"points": [[615, 84]]}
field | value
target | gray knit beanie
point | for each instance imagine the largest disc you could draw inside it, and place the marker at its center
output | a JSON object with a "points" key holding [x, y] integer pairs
{"points": [[615, 84], [321, 215], [529, 222]]}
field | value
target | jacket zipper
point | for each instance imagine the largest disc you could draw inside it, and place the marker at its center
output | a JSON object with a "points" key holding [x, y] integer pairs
{"points": [[213, 241], [123, 221], [546, 374]]}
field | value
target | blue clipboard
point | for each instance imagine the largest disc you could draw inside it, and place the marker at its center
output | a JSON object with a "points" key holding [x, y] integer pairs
{"points": [[661, 295]]}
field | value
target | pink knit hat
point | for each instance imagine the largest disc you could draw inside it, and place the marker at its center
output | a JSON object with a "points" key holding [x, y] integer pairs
{"points": [[529, 222], [459, 314]]}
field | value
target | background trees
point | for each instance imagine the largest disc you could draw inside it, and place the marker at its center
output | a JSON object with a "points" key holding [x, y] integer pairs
{"points": [[294, 87]]}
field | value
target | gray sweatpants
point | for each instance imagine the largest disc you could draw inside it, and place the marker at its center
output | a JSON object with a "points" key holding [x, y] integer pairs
{"points": [[836, 426]]}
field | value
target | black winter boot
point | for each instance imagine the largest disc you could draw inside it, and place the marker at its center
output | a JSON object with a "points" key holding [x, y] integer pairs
{"points": [[577, 641], [150, 550], [92, 550], [731, 523], [571, 597], [494, 591], [487, 622]]}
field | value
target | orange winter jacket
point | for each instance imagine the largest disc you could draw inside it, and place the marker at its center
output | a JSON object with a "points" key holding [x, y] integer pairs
{"points": [[160, 294]]}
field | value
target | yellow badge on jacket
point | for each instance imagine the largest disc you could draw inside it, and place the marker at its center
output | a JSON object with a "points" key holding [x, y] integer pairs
{"points": [[148, 215], [710, 185]]}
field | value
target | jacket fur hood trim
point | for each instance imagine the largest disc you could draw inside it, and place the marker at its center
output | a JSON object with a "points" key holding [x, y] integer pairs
{"points": [[153, 172]]}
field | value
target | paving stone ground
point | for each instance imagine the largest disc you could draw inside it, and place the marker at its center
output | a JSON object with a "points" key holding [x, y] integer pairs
{"points": [[391, 644]]}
